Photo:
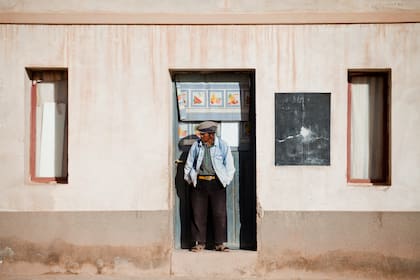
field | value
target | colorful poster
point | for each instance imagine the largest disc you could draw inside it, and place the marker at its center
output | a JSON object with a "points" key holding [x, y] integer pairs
{"points": [[220, 101], [198, 98], [183, 130], [233, 98], [182, 102], [216, 98]]}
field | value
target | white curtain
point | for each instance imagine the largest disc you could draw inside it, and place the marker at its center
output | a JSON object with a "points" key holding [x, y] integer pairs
{"points": [[367, 128], [51, 131]]}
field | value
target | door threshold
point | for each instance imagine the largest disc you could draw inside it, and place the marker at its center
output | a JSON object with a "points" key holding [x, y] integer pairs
{"points": [[209, 262]]}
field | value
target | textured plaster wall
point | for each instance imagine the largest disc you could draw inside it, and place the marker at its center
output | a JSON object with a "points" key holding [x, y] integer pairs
{"points": [[316, 59], [192, 6], [120, 109]]}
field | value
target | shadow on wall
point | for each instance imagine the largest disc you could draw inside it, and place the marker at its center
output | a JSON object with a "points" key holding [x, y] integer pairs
{"points": [[183, 192]]}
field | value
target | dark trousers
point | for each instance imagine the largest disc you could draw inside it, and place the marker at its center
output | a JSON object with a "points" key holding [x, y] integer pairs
{"points": [[205, 194]]}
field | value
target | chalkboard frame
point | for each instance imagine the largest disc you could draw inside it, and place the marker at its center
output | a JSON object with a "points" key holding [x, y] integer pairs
{"points": [[302, 128]]}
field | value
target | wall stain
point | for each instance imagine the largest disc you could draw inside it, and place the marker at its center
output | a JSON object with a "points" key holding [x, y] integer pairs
{"points": [[367, 264], [69, 258], [379, 218]]}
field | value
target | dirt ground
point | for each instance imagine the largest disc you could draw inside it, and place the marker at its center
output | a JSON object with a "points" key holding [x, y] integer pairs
{"points": [[119, 277], [99, 277]]}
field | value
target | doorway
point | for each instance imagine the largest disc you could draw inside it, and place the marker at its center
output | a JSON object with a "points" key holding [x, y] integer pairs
{"points": [[228, 98]]}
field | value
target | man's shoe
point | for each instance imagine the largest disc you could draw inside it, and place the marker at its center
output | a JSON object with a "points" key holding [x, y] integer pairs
{"points": [[197, 248], [221, 248]]}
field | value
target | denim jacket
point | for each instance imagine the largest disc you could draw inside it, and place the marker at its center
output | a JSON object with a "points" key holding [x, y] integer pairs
{"points": [[221, 158]]}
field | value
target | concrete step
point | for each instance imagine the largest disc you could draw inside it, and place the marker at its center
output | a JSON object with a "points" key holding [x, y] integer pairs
{"points": [[211, 263]]}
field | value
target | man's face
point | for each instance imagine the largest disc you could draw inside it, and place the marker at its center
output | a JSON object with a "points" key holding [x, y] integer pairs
{"points": [[206, 137]]}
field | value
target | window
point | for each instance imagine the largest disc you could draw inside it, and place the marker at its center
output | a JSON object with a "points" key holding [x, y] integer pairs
{"points": [[48, 121], [369, 121]]}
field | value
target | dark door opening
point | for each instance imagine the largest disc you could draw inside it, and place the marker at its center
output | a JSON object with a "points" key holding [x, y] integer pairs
{"points": [[234, 109]]}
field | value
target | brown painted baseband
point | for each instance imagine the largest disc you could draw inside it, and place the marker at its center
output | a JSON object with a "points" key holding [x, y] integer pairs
{"points": [[353, 264], [377, 245], [95, 242], [20, 256]]}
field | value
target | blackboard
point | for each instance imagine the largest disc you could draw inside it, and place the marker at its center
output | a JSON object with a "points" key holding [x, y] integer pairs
{"points": [[302, 130]]}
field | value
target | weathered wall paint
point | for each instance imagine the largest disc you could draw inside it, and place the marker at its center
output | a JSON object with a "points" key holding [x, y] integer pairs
{"points": [[99, 242], [208, 12], [370, 245], [192, 6], [120, 110]]}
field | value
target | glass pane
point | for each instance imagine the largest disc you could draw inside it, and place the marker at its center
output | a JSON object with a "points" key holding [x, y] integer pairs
{"points": [[230, 133]]}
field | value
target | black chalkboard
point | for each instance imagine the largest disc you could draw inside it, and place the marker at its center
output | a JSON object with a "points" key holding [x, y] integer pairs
{"points": [[302, 128]]}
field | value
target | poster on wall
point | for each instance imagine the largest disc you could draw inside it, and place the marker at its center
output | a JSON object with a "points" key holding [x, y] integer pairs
{"points": [[222, 101], [302, 128]]}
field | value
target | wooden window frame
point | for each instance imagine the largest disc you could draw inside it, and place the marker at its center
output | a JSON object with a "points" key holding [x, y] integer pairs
{"points": [[33, 130], [386, 73]]}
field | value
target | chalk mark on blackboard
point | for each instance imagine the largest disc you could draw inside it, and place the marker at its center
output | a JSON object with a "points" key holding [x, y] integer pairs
{"points": [[287, 138], [306, 134]]}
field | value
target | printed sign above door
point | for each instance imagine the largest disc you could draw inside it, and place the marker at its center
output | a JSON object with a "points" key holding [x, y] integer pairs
{"points": [[221, 101]]}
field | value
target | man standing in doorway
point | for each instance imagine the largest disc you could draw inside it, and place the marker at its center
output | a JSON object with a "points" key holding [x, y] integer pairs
{"points": [[210, 169]]}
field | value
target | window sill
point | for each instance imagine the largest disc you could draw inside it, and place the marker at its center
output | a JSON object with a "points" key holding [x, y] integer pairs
{"points": [[368, 184]]}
